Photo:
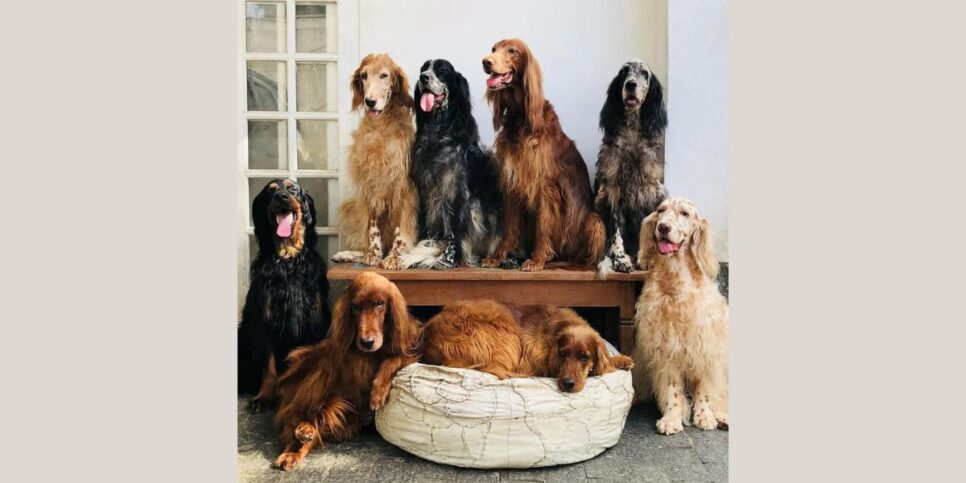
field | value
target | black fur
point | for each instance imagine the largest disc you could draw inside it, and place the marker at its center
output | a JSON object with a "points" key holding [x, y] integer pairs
{"points": [[454, 174], [631, 161], [286, 306]]}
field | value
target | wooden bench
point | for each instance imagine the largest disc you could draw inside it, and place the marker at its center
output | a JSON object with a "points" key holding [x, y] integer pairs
{"points": [[566, 288]]}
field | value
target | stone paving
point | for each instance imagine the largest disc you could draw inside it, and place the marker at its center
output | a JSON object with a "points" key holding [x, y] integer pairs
{"points": [[640, 455]]}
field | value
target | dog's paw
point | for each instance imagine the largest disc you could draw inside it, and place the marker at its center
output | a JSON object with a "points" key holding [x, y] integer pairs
{"points": [[372, 260], [532, 266], [378, 397], [704, 419], [288, 460], [259, 404], [491, 262], [722, 419], [623, 263], [623, 362], [305, 432], [670, 425], [392, 262]]}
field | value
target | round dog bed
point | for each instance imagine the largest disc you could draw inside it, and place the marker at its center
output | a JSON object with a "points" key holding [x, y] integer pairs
{"points": [[472, 419]]}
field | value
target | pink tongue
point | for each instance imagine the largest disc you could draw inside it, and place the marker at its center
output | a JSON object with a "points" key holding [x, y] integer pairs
{"points": [[666, 247], [493, 80], [284, 229], [426, 102]]}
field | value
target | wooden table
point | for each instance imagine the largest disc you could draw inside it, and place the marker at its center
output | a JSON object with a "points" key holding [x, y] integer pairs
{"points": [[565, 288]]}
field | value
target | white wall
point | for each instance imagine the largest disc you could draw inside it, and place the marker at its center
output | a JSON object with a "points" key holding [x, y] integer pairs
{"points": [[697, 137], [580, 46]]}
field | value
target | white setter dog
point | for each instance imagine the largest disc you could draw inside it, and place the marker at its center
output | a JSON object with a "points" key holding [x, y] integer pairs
{"points": [[681, 320]]}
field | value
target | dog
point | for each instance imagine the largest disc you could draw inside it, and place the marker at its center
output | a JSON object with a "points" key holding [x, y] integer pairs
{"points": [[286, 303], [511, 341], [456, 177], [384, 211], [630, 166], [548, 199], [681, 320], [330, 389]]}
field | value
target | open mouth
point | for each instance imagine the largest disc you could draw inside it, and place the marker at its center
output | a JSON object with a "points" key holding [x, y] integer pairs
{"points": [[374, 113], [632, 102], [430, 101], [499, 81], [667, 247], [285, 222]]}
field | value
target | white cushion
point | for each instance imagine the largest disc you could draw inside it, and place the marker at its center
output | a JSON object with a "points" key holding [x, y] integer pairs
{"points": [[472, 419]]}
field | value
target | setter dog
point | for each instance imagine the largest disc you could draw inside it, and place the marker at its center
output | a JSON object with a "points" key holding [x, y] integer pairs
{"points": [[384, 212], [511, 341], [331, 388], [548, 199]]}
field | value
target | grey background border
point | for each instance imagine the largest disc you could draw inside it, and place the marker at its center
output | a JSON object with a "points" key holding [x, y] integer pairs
{"points": [[119, 256]]}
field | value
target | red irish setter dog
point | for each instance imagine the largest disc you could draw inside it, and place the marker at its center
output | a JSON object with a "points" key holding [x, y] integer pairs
{"points": [[510, 341], [548, 198], [330, 389]]}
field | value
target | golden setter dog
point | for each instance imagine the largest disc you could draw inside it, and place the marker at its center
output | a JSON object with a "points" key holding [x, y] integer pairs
{"points": [[510, 341], [330, 389], [682, 321], [384, 211], [548, 199]]}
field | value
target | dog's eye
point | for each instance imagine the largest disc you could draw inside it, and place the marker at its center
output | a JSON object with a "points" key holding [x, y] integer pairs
{"points": [[383, 75], [493, 50], [363, 76], [646, 75], [584, 358], [662, 209], [685, 214], [562, 353], [512, 50], [380, 304]]}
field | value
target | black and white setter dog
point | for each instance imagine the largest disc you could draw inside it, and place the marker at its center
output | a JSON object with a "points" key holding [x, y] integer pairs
{"points": [[460, 209], [630, 166], [286, 305]]}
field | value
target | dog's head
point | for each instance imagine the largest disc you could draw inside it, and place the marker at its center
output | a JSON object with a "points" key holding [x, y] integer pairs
{"points": [[634, 91], [371, 315], [440, 88], [577, 353], [379, 84], [284, 218], [676, 230], [510, 64]]}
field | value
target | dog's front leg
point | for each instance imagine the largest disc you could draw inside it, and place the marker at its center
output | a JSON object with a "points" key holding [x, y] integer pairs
{"points": [[670, 398], [622, 262], [707, 403], [296, 450], [373, 256], [266, 392], [511, 234], [548, 223], [382, 383], [393, 261]]}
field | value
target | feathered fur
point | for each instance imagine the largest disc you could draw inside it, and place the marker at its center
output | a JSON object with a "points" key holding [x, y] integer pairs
{"points": [[456, 177], [681, 320], [381, 219], [510, 341], [331, 388], [630, 166], [548, 201], [286, 303]]}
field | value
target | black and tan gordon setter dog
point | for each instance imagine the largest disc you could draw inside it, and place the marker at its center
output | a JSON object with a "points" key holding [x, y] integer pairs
{"points": [[286, 305], [630, 166], [460, 209]]}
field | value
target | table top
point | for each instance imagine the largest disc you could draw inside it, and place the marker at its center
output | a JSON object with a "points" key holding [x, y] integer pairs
{"points": [[348, 271]]}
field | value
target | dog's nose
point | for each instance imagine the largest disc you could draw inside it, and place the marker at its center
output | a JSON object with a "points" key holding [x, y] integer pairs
{"points": [[424, 77], [568, 383], [631, 86], [367, 343], [370, 103], [487, 64], [663, 228]]}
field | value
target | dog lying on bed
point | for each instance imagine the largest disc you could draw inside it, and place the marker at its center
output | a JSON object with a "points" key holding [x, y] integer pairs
{"points": [[682, 321], [286, 303], [511, 341], [460, 210], [330, 388]]}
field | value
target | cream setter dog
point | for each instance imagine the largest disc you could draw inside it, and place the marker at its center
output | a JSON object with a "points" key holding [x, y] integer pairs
{"points": [[384, 211], [511, 341], [547, 196], [331, 388], [682, 321]]}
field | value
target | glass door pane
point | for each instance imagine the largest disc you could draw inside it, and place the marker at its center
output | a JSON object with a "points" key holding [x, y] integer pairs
{"points": [[266, 85], [315, 30], [265, 27]]}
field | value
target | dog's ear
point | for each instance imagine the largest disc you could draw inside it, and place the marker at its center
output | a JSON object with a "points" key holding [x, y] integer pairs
{"points": [[612, 114], [343, 330], [652, 111], [403, 332], [355, 84], [263, 231], [400, 88], [308, 209], [647, 244], [498, 103], [533, 86], [602, 363], [702, 249]]}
